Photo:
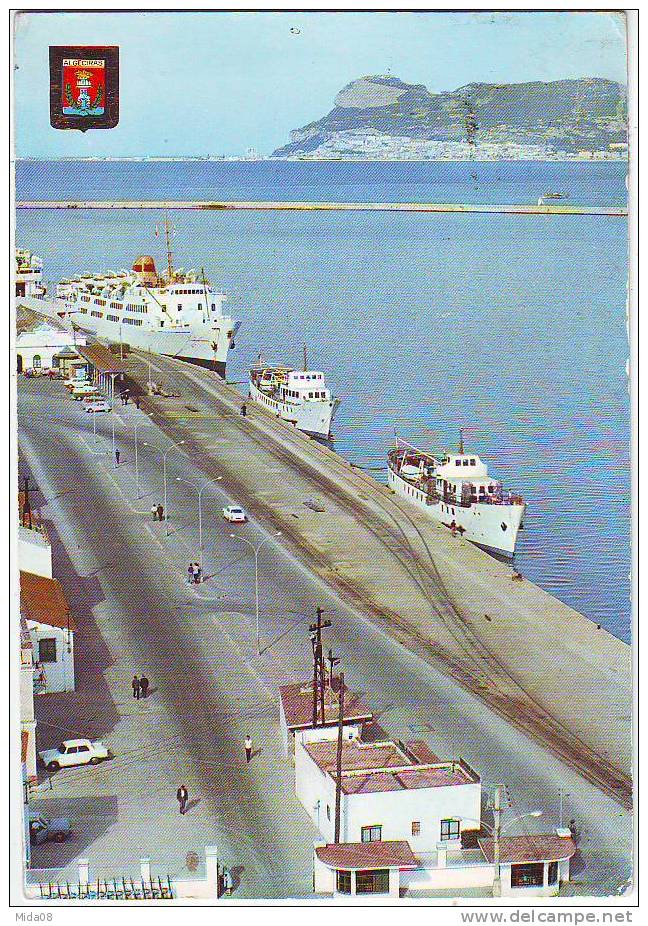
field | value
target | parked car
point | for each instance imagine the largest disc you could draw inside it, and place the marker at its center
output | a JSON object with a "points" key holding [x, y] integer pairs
{"points": [[74, 381], [97, 405], [234, 514], [78, 392], [74, 752], [43, 830]]}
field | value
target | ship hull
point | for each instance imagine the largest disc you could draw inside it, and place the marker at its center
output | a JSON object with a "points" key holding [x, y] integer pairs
{"points": [[313, 417], [493, 527], [193, 344]]}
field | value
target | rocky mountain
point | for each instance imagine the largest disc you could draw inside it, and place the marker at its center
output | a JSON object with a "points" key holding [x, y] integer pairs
{"points": [[384, 114]]}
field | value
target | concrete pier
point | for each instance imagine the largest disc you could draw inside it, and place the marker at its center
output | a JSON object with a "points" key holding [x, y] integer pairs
{"points": [[534, 660], [557, 208]]}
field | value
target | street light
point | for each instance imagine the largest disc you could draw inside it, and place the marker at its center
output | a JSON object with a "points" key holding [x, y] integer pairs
{"points": [[164, 454], [200, 492], [496, 831], [136, 425], [257, 550]]}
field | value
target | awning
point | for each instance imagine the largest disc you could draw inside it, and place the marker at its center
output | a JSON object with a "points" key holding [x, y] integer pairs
{"points": [[515, 850], [102, 359], [43, 600], [367, 856]]}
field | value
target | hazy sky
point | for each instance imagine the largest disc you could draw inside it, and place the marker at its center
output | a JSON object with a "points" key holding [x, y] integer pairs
{"points": [[217, 83]]}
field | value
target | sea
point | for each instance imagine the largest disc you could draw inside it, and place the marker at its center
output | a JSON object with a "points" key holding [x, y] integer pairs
{"points": [[511, 327]]}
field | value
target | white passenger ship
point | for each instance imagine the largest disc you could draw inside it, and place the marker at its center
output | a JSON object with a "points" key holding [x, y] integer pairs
{"points": [[176, 313], [297, 396], [457, 491], [29, 275]]}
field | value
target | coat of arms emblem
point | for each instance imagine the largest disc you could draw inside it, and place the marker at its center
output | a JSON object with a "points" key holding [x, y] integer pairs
{"points": [[84, 87]]}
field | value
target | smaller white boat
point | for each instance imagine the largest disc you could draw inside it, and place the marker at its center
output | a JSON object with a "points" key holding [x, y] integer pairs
{"points": [[300, 397]]}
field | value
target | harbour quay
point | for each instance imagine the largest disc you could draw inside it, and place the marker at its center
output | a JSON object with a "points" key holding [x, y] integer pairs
{"points": [[561, 208], [549, 670]]}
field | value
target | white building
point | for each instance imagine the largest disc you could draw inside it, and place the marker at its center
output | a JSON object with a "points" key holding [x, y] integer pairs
{"points": [[27, 715], [51, 628], [296, 714], [530, 866], [390, 792], [39, 347]]}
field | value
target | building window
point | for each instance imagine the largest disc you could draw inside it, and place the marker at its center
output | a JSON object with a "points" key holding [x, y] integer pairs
{"points": [[47, 650], [529, 875], [553, 873], [450, 829], [416, 828], [36, 363], [343, 882], [371, 833], [372, 882]]}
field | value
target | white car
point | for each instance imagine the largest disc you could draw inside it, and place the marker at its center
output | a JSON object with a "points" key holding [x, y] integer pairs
{"points": [[74, 752], [78, 392], [235, 514], [96, 405]]}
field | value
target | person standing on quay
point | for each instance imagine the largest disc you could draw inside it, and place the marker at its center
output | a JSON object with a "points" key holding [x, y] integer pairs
{"points": [[117, 456], [248, 748], [183, 797], [160, 512], [135, 685], [144, 684], [154, 512]]}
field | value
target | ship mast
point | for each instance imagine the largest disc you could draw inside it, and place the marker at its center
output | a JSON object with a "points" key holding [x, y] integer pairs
{"points": [[167, 231]]}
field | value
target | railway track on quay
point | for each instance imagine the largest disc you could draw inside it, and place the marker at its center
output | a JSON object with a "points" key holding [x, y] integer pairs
{"points": [[388, 520]]}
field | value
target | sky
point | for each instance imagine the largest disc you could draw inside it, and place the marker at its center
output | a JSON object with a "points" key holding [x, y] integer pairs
{"points": [[214, 83]]}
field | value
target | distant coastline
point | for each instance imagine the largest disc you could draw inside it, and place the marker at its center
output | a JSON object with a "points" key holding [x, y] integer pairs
{"points": [[602, 158]]}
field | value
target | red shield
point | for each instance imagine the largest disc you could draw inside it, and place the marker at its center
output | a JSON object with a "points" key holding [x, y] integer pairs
{"points": [[83, 86]]}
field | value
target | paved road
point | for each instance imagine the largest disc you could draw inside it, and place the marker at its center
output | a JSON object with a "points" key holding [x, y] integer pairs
{"points": [[126, 582]]}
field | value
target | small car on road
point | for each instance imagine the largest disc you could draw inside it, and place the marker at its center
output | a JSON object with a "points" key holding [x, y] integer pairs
{"points": [[96, 405], [43, 830], [235, 514], [78, 392], [74, 752]]}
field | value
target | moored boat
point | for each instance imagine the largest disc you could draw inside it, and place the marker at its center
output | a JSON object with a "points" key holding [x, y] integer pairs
{"points": [[299, 397], [456, 490]]}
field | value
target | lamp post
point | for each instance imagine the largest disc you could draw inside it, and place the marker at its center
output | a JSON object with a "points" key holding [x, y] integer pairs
{"points": [[257, 550], [112, 415], [136, 425], [497, 830], [200, 492], [164, 455]]}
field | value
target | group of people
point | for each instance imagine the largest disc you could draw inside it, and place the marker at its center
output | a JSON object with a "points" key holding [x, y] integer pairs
{"points": [[158, 512], [140, 686], [195, 573]]}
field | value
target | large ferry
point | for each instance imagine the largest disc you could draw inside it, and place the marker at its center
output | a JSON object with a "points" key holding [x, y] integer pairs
{"points": [[456, 490], [29, 275], [298, 396], [176, 313]]}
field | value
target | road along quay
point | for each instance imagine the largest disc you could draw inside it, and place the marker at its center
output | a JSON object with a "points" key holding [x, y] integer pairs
{"points": [[537, 662]]}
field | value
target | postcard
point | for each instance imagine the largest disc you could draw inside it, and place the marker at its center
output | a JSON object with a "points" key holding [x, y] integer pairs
{"points": [[322, 477]]}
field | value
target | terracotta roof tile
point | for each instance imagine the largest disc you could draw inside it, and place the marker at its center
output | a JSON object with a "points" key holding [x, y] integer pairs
{"points": [[388, 766], [545, 847], [43, 600], [297, 702], [367, 855]]}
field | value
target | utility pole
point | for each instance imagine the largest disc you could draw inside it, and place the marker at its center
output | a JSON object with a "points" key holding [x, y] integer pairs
{"points": [[332, 661], [26, 504], [318, 665], [338, 764], [497, 826]]}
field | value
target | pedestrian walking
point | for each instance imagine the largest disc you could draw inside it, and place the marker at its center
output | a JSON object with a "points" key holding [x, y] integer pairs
{"points": [[244, 410], [160, 512], [144, 685], [135, 685], [155, 509], [183, 797], [197, 573], [191, 571], [117, 456], [248, 748], [228, 881], [137, 401], [126, 397]]}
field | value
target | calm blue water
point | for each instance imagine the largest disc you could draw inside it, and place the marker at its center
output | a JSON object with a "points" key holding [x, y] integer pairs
{"points": [[513, 326]]}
